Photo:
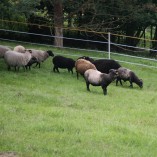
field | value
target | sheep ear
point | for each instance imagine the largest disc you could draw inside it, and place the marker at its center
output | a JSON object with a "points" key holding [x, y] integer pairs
{"points": [[50, 53], [30, 51], [116, 72], [110, 70]]}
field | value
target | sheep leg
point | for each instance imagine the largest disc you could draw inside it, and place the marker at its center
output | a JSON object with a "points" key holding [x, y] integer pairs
{"points": [[121, 82], [117, 81], [70, 70], [24, 68], [28, 67], [17, 68], [87, 84], [131, 85], [104, 90], [39, 65], [36, 64], [9, 67], [57, 69], [54, 69]]}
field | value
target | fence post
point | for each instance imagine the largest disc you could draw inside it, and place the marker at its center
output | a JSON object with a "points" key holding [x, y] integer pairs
{"points": [[109, 44]]}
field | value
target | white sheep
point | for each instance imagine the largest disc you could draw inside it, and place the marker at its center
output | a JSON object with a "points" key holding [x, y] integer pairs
{"points": [[19, 48], [3, 49], [96, 78], [17, 59], [41, 56]]}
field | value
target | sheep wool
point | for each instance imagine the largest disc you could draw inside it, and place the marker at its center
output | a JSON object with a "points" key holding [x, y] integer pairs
{"points": [[41, 56], [96, 78], [81, 65], [3, 49], [19, 48], [87, 58], [104, 65], [128, 75], [17, 59], [64, 63]]}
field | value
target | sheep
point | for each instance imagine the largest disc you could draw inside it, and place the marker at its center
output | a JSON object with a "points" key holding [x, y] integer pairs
{"points": [[32, 61], [17, 59], [3, 49], [104, 65], [128, 75], [87, 58], [19, 48], [64, 63], [96, 78], [41, 56], [81, 65]]}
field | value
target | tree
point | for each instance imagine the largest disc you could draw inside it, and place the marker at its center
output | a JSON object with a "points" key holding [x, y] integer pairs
{"points": [[58, 23]]}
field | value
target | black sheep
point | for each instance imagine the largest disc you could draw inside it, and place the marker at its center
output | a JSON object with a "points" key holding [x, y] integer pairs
{"points": [[64, 63], [128, 75], [32, 61], [104, 65], [96, 78], [87, 58]]}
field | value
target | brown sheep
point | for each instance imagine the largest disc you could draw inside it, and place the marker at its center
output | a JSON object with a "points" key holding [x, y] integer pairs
{"points": [[81, 65]]}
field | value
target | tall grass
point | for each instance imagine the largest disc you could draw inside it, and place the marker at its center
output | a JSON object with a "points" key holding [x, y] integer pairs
{"points": [[44, 114]]}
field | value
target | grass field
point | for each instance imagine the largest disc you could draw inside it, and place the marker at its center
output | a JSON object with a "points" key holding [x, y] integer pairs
{"points": [[46, 114]]}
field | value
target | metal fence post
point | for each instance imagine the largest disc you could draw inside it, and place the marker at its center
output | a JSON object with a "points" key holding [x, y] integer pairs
{"points": [[109, 44]]}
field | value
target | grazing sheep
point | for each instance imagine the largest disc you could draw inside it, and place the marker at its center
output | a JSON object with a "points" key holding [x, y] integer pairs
{"points": [[81, 65], [104, 65], [96, 78], [41, 56], [17, 59], [3, 49], [128, 75], [64, 63], [19, 48]]}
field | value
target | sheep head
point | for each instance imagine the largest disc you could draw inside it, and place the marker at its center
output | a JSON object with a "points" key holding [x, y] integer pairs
{"points": [[114, 72], [50, 53], [140, 83]]}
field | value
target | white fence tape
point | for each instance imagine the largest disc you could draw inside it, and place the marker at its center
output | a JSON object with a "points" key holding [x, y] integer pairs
{"points": [[75, 39]]}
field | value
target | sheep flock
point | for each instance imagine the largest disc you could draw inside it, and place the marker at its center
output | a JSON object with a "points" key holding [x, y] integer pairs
{"points": [[101, 72]]}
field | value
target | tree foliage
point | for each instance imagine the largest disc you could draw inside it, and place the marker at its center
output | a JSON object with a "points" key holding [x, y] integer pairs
{"points": [[127, 17]]}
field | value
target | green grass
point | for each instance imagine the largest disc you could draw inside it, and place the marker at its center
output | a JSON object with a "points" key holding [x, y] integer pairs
{"points": [[45, 114]]}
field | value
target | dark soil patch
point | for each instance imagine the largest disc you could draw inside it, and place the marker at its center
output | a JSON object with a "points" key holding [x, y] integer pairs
{"points": [[8, 154]]}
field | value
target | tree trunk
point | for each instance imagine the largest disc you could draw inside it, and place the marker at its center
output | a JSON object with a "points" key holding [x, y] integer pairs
{"points": [[154, 43], [58, 23]]}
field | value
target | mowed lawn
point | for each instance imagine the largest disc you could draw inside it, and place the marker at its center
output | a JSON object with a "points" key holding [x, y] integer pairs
{"points": [[46, 114]]}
